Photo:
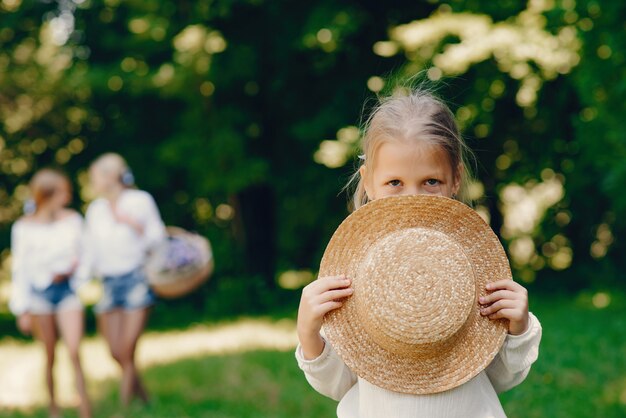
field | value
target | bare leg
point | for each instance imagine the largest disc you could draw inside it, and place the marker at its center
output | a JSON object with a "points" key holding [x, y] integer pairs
{"points": [[71, 325], [134, 323], [45, 331], [110, 325], [121, 330]]}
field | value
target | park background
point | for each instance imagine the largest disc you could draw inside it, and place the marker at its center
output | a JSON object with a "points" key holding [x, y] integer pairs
{"points": [[241, 118]]}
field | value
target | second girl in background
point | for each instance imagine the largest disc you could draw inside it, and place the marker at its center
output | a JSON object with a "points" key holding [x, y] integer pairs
{"points": [[122, 224]]}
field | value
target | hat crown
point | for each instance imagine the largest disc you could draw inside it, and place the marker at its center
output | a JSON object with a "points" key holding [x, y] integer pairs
{"points": [[415, 291]]}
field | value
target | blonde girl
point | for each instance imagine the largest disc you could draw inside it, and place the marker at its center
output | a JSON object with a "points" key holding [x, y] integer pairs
{"points": [[122, 224], [45, 250], [412, 146]]}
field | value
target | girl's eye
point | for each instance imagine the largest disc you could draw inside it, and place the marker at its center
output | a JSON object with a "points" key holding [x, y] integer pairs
{"points": [[432, 182], [394, 183]]}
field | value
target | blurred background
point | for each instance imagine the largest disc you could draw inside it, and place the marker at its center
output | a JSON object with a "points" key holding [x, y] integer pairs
{"points": [[242, 117]]}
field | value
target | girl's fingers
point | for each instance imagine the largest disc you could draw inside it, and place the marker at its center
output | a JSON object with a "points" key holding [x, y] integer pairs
{"points": [[512, 314], [325, 284], [498, 305], [501, 314], [326, 307], [321, 296], [506, 284], [498, 295], [334, 295]]}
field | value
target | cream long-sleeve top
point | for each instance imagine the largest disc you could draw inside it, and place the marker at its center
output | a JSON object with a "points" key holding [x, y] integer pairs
{"points": [[477, 398], [40, 251], [112, 247]]}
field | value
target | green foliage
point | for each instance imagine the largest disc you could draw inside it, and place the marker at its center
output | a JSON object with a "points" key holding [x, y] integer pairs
{"points": [[220, 107]]}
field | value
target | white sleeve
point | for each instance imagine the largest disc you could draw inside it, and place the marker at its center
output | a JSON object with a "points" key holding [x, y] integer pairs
{"points": [[20, 286], [86, 253], [511, 365], [327, 374], [154, 229]]}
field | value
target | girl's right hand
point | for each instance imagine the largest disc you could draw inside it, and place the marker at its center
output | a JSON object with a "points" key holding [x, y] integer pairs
{"points": [[122, 218], [319, 298], [25, 323], [60, 278]]}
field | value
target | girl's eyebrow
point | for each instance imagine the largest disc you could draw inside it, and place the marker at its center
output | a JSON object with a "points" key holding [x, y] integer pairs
{"points": [[438, 176]]}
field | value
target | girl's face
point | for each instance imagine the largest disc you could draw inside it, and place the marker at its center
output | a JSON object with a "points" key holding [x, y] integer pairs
{"points": [[402, 168], [61, 197], [102, 180]]}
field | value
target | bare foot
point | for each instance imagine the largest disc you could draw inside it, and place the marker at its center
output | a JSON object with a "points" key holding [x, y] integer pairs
{"points": [[54, 412], [140, 392], [84, 410]]}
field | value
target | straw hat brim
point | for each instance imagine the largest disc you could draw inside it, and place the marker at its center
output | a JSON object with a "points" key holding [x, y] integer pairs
{"points": [[477, 342]]}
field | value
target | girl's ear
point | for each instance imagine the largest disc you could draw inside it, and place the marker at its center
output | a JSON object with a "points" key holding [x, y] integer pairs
{"points": [[366, 182], [456, 185]]}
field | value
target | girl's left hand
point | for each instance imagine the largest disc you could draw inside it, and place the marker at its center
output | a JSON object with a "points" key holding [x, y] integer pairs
{"points": [[508, 300]]}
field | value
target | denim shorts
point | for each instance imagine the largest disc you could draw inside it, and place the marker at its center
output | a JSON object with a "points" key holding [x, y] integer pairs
{"points": [[54, 298], [127, 291]]}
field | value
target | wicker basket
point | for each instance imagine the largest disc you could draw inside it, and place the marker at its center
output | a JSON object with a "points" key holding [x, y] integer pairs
{"points": [[180, 264]]}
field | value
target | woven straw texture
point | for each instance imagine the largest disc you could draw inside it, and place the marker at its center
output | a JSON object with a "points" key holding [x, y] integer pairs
{"points": [[418, 265], [175, 282]]}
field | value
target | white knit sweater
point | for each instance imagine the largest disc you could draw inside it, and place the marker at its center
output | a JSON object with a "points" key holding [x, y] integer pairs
{"points": [[477, 398]]}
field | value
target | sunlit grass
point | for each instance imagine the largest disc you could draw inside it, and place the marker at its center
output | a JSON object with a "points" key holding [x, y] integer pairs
{"points": [[21, 379], [252, 384], [579, 372]]}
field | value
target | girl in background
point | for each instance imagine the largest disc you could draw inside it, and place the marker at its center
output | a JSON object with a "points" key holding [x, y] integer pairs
{"points": [[122, 224], [45, 248]]}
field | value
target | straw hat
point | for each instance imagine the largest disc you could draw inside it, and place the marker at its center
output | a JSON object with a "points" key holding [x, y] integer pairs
{"points": [[418, 265]]}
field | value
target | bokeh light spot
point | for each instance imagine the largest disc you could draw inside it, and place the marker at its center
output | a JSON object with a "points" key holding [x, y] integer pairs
{"points": [[324, 35], [601, 300], [115, 83], [375, 84]]}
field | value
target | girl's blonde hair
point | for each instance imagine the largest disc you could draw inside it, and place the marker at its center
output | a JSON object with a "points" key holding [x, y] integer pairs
{"points": [[116, 165], [416, 116]]}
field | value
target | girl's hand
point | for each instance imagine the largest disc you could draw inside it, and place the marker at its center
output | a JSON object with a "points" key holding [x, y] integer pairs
{"points": [[60, 278], [509, 300], [125, 219], [319, 298], [25, 323]]}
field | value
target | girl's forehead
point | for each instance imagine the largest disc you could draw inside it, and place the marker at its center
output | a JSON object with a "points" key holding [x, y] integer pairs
{"points": [[399, 155]]}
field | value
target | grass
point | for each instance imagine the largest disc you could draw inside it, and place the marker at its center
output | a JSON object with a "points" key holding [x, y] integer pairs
{"points": [[253, 384], [579, 374], [580, 371]]}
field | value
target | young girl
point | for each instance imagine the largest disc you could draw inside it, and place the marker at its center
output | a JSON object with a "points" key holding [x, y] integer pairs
{"points": [[123, 223], [412, 146], [45, 250]]}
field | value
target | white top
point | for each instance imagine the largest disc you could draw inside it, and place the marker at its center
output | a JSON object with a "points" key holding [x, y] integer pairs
{"points": [[39, 251], [112, 247], [330, 376]]}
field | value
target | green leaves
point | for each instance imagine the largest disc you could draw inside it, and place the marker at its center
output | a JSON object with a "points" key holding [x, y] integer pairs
{"points": [[258, 103]]}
